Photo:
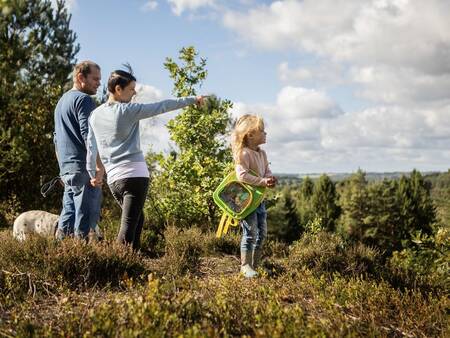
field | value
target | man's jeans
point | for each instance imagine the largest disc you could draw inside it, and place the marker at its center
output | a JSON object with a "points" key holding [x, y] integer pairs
{"points": [[254, 229], [81, 206]]}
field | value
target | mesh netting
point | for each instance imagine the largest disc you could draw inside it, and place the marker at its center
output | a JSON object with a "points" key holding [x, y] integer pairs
{"points": [[236, 197]]}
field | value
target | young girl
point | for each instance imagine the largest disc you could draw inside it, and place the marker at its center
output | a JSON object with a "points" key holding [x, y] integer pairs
{"points": [[114, 135], [250, 159]]}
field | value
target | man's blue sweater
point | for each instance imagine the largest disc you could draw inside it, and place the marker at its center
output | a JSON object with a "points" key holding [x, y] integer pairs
{"points": [[71, 130]]}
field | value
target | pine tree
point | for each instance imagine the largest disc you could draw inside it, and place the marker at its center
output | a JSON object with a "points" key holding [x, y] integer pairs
{"points": [[417, 211], [323, 202], [282, 218], [303, 202], [354, 205]]}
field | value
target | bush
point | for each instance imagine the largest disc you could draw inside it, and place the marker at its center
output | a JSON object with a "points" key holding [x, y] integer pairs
{"points": [[425, 266], [70, 263], [290, 306], [183, 249], [325, 253], [228, 244]]}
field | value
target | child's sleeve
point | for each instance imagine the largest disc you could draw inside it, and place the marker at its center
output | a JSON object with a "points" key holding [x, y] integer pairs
{"points": [[267, 171], [243, 173], [140, 111]]}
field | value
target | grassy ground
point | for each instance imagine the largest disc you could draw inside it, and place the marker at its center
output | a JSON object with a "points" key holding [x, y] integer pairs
{"points": [[317, 287]]}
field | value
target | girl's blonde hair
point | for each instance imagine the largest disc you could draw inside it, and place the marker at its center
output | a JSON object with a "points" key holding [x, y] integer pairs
{"points": [[245, 125]]}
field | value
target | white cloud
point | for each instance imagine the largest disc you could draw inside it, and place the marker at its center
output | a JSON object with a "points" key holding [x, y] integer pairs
{"points": [[149, 6], [153, 131], [179, 6], [404, 45], [393, 53], [303, 136], [300, 103], [380, 127], [146, 93], [288, 75], [401, 85]]}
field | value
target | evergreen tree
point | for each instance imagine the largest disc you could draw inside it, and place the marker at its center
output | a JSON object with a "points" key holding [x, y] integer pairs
{"points": [[354, 205], [387, 214], [182, 188], [417, 211], [282, 218], [323, 202], [380, 226], [303, 202], [37, 54], [307, 188]]}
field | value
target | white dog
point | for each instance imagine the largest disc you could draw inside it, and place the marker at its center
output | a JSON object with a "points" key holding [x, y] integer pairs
{"points": [[42, 223]]}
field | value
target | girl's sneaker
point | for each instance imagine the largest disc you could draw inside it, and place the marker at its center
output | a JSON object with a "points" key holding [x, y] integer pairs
{"points": [[248, 271]]}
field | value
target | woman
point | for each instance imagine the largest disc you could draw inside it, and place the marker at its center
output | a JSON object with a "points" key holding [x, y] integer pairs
{"points": [[114, 137]]}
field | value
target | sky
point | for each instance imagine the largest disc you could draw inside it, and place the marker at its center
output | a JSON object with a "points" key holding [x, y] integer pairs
{"points": [[341, 84]]}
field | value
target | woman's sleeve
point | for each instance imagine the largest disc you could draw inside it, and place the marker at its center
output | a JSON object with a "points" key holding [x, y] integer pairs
{"points": [[91, 157], [243, 172], [140, 111]]}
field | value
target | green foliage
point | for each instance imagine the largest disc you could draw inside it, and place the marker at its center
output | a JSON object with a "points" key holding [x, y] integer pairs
{"points": [[40, 264], [325, 287], [283, 219], [183, 249], [427, 265], [354, 203], [289, 306], [326, 253], [303, 202], [184, 180], [386, 214], [37, 50], [323, 202], [440, 194]]}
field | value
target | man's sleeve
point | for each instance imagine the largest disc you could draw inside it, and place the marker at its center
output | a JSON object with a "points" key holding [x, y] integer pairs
{"points": [[84, 109], [91, 157]]}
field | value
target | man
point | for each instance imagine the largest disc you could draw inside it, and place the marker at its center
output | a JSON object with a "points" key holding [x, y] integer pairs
{"points": [[81, 201]]}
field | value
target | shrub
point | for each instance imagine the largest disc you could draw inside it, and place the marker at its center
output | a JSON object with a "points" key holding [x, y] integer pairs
{"points": [[325, 252], [70, 263], [183, 249], [425, 266], [228, 244]]}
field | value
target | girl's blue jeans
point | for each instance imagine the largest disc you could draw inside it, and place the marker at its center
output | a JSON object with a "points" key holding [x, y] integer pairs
{"points": [[254, 229]]}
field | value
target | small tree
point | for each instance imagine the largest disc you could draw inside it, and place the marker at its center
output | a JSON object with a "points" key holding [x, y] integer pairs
{"points": [[354, 204], [182, 187], [323, 202], [303, 202], [417, 210], [283, 220], [387, 214]]}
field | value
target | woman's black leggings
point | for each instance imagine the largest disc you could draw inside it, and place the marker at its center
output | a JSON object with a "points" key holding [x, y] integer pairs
{"points": [[130, 193]]}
